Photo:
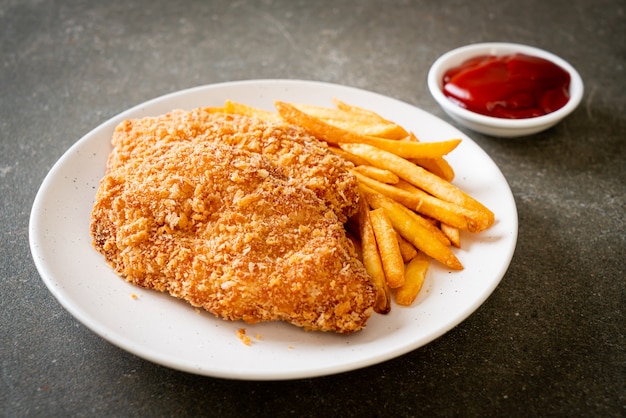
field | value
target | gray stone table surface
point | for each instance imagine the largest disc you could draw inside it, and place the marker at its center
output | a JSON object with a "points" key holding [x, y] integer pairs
{"points": [[548, 342]]}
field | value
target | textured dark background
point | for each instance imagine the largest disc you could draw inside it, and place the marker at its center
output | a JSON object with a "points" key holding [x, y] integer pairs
{"points": [[548, 342]]}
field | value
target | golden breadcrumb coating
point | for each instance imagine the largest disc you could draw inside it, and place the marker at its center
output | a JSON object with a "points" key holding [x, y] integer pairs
{"points": [[303, 157], [228, 227]]}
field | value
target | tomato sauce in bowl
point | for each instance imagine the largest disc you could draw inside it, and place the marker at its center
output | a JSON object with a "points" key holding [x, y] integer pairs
{"points": [[505, 89], [514, 86]]}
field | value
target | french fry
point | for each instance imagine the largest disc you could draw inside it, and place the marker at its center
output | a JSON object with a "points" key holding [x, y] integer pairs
{"points": [[398, 131], [243, 109], [401, 132], [407, 149], [378, 174], [372, 261], [421, 178], [368, 124], [378, 130], [407, 249], [379, 200], [329, 113], [393, 264], [438, 166], [417, 233], [452, 233], [334, 135], [419, 201], [445, 212], [415, 274], [408, 199]]}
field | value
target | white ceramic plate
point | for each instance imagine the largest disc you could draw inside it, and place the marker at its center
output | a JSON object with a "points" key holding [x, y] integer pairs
{"points": [[166, 331]]}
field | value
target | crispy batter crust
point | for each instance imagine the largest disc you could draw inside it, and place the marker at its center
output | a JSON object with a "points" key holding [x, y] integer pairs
{"points": [[302, 157], [228, 230]]}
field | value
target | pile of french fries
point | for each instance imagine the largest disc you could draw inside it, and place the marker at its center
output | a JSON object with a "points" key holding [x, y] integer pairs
{"points": [[410, 213]]}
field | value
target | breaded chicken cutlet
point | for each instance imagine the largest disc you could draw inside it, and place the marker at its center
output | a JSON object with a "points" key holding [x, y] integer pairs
{"points": [[230, 230], [301, 156]]}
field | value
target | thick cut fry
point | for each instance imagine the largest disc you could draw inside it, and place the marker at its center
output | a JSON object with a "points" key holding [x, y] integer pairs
{"points": [[243, 109], [408, 199], [372, 261], [401, 132], [419, 201], [430, 224], [407, 249], [334, 135], [452, 233], [415, 274], [314, 125], [412, 230], [438, 166], [378, 174], [329, 113], [393, 264], [407, 149], [449, 213], [419, 177], [369, 124], [378, 130]]}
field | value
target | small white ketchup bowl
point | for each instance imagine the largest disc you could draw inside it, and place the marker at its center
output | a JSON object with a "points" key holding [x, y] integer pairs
{"points": [[495, 126]]}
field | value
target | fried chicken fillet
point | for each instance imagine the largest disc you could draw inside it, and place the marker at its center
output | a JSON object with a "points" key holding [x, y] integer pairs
{"points": [[301, 156], [231, 230]]}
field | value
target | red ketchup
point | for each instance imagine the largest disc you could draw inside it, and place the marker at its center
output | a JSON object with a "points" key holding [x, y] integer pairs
{"points": [[514, 86]]}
